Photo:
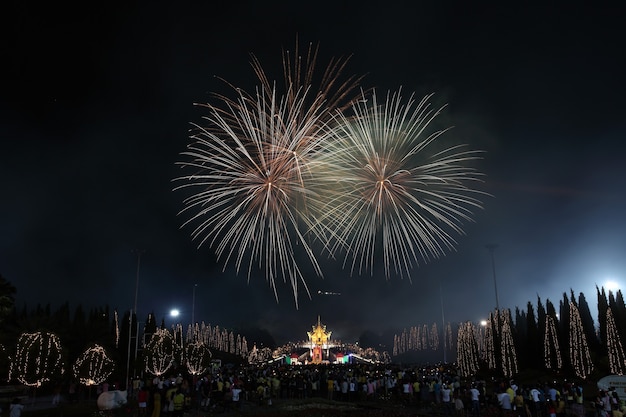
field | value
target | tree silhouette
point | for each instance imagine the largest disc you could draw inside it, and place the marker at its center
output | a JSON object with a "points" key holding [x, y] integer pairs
{"points": [[7, 298], [532, 355]]}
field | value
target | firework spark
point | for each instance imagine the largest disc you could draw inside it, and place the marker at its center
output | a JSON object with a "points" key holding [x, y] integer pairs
{"points": [[251, 170], [389, 185]]}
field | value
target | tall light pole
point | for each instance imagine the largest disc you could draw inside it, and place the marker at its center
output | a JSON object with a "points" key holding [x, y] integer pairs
{"points": [[491, 247], [498, 335], [134, 311], [139, 253], [443, 322], [193, 306]]}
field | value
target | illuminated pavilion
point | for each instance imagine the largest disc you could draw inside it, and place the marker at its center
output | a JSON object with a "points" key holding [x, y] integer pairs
{"points": [[319, 341]]}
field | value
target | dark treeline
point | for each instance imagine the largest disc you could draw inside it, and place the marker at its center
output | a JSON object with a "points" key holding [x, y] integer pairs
{"points": [[545, 336]]}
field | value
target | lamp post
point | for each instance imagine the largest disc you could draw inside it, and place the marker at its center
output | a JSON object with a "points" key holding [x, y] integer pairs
{"points": [[491, 248], [193, 306], [443, 323], [139, 252]]}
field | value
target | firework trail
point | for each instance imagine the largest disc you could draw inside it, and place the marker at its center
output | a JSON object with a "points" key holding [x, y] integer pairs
{"points": [[251, 169], [391, 186]]}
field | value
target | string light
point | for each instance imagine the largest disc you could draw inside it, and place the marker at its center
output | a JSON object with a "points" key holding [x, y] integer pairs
{"points": [[197, 358], [578, 348], [479, 335], [551, 348], [421, 338], [617, 359], [38, 358], [159, 352], [434, 337], [448, 342], [509, 355], [94, 366], [467, 350], [117, 330], [490, 347]]}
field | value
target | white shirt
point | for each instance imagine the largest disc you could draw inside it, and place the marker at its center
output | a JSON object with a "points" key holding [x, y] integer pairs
{"points": [[475, 393]]}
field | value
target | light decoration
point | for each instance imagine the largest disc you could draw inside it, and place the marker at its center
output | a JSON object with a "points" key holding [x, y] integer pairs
{"points": [[433, 337], [257, 356], [467, 350], [94, 366], [421, 338], [479, 335], [448, 341], [578, 347], [551, 349], [38, 358], [490, 344], [413, 338], [615, 350], [197, 358], [159, 352], [507, 347], [218, 339], [117, 329], [395, 345]]}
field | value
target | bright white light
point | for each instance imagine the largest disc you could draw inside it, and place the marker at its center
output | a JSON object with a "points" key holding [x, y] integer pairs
{"points": [[174, 312], [483, 322], [611, 286]]}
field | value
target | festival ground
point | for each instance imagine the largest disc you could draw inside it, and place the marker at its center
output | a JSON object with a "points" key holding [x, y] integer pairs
{"points": [[308, 407]]}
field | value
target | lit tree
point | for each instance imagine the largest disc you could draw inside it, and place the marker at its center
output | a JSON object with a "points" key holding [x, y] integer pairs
{"points": [[617, 359], [490, 343], [509, 355], [197, 358], [467, 350], [94, 366], [38, 359], [578, 347], [434, 337], [551, 350], [448, 341], [159, 352]]}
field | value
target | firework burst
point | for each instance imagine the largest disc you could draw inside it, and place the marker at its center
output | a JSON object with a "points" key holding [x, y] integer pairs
{"points": [[391, 186], [251, 170]]}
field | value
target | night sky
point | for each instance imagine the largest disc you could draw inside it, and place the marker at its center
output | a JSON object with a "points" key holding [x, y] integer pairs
{"points": [[96, 104]]}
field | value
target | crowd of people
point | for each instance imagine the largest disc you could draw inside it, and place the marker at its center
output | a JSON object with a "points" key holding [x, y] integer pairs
{"points": [[433, 388]]}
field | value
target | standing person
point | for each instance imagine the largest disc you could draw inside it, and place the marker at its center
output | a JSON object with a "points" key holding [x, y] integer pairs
{"points": [[236, 394], [72, 393], [142, 400], [607, 407], [535, 396], [56, 399], [459, 407], [179, 403], [16, 407], [551, 408], [156, 403], [578, 408], [446, 400], [475, 398], [505, 403]]}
